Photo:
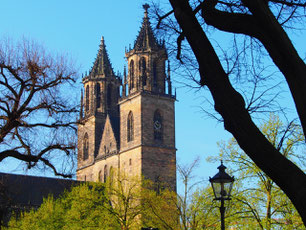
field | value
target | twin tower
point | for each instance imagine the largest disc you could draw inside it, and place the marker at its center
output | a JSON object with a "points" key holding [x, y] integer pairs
{"points": [[128, 124]]}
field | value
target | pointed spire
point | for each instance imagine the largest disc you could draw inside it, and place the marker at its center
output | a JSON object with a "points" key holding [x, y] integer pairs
{"points": [[102, 64], [146, 39]]}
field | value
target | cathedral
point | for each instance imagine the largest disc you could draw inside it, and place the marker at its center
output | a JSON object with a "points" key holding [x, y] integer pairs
{"points": [[127, 123]]}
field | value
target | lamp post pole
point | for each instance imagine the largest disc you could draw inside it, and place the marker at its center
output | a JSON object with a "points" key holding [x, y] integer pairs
{"points": [[222, 185], [222, 211]]}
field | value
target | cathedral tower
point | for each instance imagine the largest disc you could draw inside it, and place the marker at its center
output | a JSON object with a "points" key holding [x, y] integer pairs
{"points": [[147, 110], [100, 100], [135, 132]]}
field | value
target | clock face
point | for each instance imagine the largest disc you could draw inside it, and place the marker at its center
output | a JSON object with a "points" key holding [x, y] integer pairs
{"points": [[157, 125]]}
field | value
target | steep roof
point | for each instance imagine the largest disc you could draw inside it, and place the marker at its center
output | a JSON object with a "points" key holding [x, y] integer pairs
{"points": [[146, 39], [110, 137], [29, 191], [102, 64]]}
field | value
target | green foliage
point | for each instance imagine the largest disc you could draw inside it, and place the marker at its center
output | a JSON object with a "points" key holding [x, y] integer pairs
{"points": [[160, 209], [257, 200], [85, 207], [125, 196], [203, 211]]}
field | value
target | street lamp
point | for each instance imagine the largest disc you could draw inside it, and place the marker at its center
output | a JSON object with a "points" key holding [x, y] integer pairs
{"points": [[222, 184]]}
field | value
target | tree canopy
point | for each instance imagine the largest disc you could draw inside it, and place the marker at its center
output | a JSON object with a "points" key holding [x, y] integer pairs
{"points": [[81, 208], [37, 116], [257, 199]]}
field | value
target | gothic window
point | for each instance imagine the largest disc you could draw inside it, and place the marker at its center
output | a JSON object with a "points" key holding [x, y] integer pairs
{"points": [[87, 98], [142, 70], [98, 89], [130, 162], [158, 126], [109, 95], [155, 73], [100, 176], [132, 74], [130, 127], [85, 147], [105, 174]]}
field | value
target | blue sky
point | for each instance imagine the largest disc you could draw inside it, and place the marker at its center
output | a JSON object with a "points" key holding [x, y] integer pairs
{"points": [[75, 27]]}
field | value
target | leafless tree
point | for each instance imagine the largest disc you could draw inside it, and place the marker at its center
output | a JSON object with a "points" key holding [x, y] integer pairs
{"points": [[37, 114], [264, 23]]}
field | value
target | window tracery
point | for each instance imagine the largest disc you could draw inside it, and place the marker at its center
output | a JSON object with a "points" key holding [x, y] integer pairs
{"points": [[85, 147], [130, 127]]}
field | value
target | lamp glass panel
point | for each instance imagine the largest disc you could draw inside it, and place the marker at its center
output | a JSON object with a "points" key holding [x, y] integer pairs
{"points": [[217, 189], [222, 190]]}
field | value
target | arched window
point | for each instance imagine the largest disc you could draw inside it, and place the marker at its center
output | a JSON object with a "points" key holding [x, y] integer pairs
{"points": [[155, 73], [105, 174], [85, 147], [132, 72], [109, 95], [142, 70], [130, 127], [87, 98], [158, 126], [100, 176], [98, 89]]}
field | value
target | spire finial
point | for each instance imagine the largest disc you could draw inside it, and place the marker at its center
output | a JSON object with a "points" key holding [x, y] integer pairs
{"points": [[146, 7], [102, 41]]}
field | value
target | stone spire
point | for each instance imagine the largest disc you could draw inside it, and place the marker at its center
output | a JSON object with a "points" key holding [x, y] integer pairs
{"points": [[146, 39], [102, 65]]}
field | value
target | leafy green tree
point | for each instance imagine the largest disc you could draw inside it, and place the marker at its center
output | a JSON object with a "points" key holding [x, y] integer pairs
{"points": [[125, 197], [160, 209], [84, 207], [191, 209], [260, 200], [204, 213], [172, 210]]}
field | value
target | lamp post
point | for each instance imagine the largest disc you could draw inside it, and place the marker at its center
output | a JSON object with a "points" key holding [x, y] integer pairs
{"points": [[222, 184]]}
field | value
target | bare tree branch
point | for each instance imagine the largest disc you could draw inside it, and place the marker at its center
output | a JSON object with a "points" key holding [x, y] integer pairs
{"points": [[35, 116]]}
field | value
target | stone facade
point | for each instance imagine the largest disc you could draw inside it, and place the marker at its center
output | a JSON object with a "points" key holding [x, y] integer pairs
{"points": [[132, 131]]}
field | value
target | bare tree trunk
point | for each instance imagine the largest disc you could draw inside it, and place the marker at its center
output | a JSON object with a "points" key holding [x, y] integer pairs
{"points": [[230, 104]]}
